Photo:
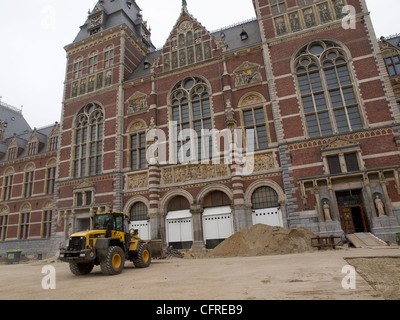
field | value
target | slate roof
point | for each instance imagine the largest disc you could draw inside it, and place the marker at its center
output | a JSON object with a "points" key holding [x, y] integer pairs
{"points": [[15, 124], [12, 120], [394, 40], [118, 12]]}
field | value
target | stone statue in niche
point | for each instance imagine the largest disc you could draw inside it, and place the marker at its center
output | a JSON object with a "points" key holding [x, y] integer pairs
{"points": [[327, 210], [380, 206], [230, 121]]}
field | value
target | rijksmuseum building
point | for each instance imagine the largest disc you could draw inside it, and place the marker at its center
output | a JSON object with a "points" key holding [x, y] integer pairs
{"points": [[290, 119]]}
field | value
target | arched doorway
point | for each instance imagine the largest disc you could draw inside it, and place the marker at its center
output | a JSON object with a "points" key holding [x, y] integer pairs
{"points": [[217, 218], [266, 208], [179, 223], [139, 220]]}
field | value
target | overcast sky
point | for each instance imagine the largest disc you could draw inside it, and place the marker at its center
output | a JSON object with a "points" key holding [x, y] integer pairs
{"points": [[33, 35]]}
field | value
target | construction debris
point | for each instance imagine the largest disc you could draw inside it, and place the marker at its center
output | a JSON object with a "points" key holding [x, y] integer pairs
{"points": [[173, 253]]}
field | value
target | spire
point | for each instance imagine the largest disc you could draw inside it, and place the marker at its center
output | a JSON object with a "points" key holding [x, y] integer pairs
{"points": [[184, 5]]}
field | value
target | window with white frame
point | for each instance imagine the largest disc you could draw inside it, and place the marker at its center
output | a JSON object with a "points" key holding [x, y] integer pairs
{"points": [[7, 185], [343, 160], [93, 61], [46, 224], [24, 226], [256, 128], [108, 57], [78, 68], [138, 150], [28, 183], [3, 227]]}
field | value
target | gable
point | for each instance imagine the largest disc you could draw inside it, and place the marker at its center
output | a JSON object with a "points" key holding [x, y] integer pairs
{"points": [[188, 43]]}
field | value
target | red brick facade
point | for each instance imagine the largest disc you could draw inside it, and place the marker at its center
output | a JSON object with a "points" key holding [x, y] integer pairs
{"points": [[315, 93]]}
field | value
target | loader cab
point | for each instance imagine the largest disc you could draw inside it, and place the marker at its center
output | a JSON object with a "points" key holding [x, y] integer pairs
{"points": [[111, 222]]}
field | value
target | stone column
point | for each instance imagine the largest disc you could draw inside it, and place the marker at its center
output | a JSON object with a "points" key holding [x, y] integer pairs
{"points": [[198, 241]]}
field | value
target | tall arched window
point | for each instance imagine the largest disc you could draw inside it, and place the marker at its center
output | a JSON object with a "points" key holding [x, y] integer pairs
{"points": [[328, 96], [88, 146], [190, 100]]}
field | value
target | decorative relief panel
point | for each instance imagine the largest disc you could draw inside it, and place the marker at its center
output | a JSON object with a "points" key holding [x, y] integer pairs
{"points": [[137, 103], [137, 181], [248, 73], [263, 162], [193, 172], [251, 99]]}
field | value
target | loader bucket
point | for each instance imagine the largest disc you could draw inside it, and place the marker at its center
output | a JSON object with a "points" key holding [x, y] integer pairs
{"points": [[156, 247]]}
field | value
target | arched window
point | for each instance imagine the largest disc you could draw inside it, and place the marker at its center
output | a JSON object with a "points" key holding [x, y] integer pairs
{"points": [[328, 96], [88, 146], [178, 203], [190, 109], [139, 212], [264, 197], [216, 199]]}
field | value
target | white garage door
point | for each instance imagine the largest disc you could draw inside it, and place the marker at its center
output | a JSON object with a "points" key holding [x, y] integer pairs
{"points": [[217, 223], [270, 216], [179, 227], [143, 226]]}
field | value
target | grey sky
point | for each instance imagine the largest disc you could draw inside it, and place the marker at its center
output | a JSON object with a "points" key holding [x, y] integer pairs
{"points": [[33, 35]]}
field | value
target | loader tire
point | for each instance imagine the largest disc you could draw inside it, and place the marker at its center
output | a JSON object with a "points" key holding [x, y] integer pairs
{"points": [[143, 257], [113, 262], [80, 269]]}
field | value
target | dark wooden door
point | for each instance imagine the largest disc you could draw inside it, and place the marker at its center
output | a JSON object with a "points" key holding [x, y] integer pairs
{"points": [[346, 217]]}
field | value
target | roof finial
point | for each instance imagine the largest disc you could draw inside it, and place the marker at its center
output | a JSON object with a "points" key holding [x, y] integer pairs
{"points": [[184, 3]]}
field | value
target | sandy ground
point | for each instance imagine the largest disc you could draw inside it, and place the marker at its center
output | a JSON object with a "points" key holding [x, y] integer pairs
{"points": [[316, 275]]}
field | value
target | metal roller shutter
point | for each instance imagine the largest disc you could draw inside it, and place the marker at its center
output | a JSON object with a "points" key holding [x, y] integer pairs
{"points": [[217, 225], [179, 229], [143, 226], [270, 216]]}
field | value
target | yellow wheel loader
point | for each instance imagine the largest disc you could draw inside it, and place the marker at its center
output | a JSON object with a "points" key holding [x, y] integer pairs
{"points": [[108, 245]]}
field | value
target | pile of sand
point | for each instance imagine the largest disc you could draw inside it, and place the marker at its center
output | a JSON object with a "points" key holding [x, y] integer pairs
{"points": [[263, 240]]}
